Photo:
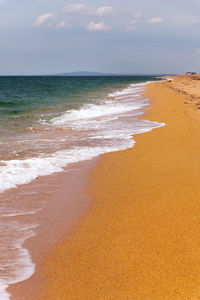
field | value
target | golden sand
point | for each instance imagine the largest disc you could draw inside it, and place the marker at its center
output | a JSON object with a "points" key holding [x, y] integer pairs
{"points": [[141, 237], [188, 85]]}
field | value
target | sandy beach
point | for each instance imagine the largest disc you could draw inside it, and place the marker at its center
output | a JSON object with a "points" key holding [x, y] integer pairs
{"points": [[140, 239], [100, 150], [41, 213]]}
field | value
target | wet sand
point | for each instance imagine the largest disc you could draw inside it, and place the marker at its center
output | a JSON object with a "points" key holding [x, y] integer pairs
{"points": [[62, 200], [141, 237]]}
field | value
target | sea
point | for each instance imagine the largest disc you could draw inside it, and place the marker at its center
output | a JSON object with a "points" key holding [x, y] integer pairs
{"points": [[48, 123]]}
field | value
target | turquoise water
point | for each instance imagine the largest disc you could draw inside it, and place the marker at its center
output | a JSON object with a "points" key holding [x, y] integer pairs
{"points": [[24, 101]]}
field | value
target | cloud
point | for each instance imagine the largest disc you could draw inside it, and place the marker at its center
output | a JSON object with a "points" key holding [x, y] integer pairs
{"points": [[84, 10], [43, 19], [101, 26], [198, 51], [155, 21], [102, 11], [63, 24]]}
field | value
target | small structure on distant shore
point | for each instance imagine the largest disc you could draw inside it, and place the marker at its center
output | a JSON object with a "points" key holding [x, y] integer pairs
{"points": [[191, 73]]}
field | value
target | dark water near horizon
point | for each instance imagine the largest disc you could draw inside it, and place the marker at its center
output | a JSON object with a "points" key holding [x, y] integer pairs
{"points": [[48, 123]]}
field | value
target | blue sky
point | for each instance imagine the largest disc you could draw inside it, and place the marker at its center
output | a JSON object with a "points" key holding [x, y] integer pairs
{"points": [[114, 36]]}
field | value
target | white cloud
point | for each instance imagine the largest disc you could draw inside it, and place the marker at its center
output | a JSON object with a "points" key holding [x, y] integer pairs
{"points": [[101, 26], [43, 19], [74, 8], [84, 10], [63, 24], [155, 21], [102, 11]]}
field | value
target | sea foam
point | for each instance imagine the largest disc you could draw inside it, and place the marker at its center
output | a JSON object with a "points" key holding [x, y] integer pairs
{"points": [[16, 263], [109, 123]]}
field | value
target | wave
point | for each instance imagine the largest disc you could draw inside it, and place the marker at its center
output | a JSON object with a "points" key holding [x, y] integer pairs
{"points": [[104, 128], [106, 107], [16, 263], [92, 111], [16, 172]]}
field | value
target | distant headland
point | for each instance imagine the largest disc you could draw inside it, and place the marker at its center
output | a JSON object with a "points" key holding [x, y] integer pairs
{"points": [[89, 73]]}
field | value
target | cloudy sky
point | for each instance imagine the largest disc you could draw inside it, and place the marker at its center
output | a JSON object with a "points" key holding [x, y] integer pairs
{"points": [[115, 36]]}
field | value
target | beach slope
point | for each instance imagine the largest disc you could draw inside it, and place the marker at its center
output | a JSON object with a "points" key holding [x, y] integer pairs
{"points": [[141, 237]]}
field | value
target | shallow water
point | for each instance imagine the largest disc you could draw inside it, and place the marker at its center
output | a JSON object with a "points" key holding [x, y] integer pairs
{"points": [[48, 123]]}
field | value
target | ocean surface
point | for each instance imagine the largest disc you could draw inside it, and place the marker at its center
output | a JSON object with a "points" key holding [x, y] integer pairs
{"points": [[48, 123]]}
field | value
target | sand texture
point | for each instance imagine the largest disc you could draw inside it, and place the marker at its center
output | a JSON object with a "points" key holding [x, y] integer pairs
{"points": [[141, 237], [188, 85]]}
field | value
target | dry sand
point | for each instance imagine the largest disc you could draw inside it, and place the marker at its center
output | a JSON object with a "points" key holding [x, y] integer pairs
{"points": [[141, 237], [188, 85]]}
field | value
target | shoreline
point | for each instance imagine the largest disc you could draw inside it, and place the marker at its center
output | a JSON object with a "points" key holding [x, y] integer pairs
{"points": [[61, 209], [139, 239], [59, 194]]}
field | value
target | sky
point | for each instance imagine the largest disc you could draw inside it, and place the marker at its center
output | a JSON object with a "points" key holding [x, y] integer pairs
{"points": [[112, 36]]}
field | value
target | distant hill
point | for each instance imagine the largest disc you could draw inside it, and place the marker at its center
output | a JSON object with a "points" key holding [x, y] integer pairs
{"points": [[88, 73], [83, 73]]}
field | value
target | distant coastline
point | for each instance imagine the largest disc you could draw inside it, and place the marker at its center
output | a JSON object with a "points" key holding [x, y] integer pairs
{"points": [[89, 73], [86, 73]]}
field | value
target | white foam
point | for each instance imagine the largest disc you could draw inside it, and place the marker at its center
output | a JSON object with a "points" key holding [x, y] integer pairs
{"points": [[16, 264], [15, 214], [100, 122], [16, 172], [126, 92], [4, 295], [93, 111], [107, 107], [134, 89]]}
